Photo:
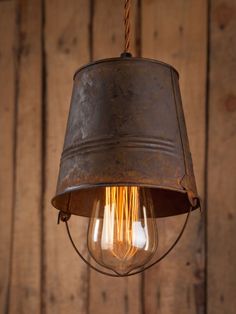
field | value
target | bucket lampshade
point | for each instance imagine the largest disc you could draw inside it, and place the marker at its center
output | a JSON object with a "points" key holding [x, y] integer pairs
{"points": [[126, 128]]}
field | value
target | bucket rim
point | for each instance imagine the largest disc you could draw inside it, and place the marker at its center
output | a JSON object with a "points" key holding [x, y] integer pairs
{"points": [[125, 59]]}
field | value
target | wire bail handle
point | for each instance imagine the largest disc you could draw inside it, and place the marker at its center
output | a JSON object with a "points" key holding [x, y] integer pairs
{"points": [[66, 216]]}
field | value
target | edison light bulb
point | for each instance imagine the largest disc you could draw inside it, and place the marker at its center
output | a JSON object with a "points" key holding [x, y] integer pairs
{"points": [[122, 232]]}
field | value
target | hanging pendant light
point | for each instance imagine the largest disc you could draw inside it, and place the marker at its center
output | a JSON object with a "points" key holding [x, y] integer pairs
{"points": [[126, 159]]}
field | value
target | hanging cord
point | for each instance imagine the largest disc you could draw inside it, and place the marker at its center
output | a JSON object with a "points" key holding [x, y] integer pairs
{"points": [[65, 219], [127, 25]]}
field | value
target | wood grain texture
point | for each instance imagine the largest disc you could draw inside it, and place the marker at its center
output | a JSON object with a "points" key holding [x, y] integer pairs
{"points": [[221, 160], [119, 295], [25, 276], [7, 118], [39, 271], [67, 48], [175, 32]]}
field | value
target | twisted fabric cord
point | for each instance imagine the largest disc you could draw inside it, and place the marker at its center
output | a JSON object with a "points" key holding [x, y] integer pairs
{"points": [[127, 24]]}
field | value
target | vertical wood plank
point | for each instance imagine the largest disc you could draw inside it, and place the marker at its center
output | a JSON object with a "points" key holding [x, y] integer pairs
{"points": [[221, 198], [119, 295], [175, 32], [7, 112], [25, 280], [67, 48]]}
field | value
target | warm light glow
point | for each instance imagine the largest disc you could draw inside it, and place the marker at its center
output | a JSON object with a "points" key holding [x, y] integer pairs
{"points": [[122, 232], [122, 220]]}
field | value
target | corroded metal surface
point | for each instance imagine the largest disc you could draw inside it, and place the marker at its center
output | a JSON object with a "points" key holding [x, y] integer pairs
{"points": [[126, 127]]}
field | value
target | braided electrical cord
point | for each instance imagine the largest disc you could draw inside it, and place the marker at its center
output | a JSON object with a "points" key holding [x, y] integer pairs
{"points": [[127, 7]]}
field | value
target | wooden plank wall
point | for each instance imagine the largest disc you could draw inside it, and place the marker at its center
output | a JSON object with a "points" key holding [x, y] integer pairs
{"points": [[221, 183], [179, 281], [25, 281], [66, 38], [7, 145], [42, 43]]}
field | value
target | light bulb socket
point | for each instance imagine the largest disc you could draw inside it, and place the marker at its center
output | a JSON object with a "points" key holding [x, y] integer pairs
{"points": [[126, 55]]}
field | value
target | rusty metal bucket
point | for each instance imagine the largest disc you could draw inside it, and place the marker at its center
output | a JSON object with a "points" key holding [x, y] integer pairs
{"points": [[126, 127]]}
